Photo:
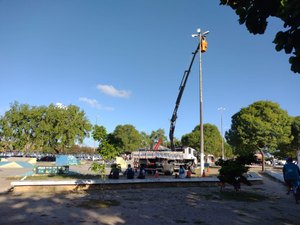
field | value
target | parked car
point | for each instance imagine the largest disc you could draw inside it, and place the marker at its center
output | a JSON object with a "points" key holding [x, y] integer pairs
{"points": [[47, 159]]}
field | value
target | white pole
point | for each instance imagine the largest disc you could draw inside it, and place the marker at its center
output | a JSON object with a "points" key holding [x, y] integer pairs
{"points": [[221, 109], [199, 35], [201, 107]]}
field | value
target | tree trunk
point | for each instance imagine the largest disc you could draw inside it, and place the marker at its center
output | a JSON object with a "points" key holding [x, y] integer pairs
{"points": [[262, 159]]}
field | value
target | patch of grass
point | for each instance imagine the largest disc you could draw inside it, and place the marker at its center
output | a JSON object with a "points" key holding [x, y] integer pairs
{"points": [[95, 204], [13, 178], [62, 176], [243, 196]]}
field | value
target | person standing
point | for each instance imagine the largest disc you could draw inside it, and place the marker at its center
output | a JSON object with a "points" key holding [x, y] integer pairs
{"points": [[291, 174]]}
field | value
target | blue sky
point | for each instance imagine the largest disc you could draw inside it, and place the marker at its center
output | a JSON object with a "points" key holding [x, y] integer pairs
{"points": [[122, 61]]}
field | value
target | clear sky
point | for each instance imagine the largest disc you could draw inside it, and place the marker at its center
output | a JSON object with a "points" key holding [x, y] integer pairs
{"points": [[122, 61]]}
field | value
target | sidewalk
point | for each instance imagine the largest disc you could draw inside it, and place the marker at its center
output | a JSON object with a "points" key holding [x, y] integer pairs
{"points": [[277, 176], [16, 173]]}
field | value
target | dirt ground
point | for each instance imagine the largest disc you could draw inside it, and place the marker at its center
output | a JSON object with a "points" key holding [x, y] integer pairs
{"points": [[265, 203]]}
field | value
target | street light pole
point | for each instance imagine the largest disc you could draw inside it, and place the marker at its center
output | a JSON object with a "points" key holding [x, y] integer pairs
{"points": [[200, 36], [221, 109], [94, 139]]}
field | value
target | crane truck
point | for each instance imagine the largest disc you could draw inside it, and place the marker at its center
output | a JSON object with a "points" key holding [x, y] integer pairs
{"points": [[169, 160], [165, 161]]}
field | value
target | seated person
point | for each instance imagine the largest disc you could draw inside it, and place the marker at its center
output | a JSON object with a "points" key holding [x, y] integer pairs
{"points": [[181, 172], [129, 172], [142, 173], [189, 173], [114, 173]]}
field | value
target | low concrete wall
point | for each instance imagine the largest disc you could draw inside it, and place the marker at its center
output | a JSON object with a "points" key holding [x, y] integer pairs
{"points": [[85, 185]]}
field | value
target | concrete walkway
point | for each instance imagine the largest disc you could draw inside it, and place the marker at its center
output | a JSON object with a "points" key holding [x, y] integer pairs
{"points": [[14, 174], [277, 176]]}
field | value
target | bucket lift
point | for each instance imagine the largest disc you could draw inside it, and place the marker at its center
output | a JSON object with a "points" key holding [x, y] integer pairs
{"points": [[202, 48]]}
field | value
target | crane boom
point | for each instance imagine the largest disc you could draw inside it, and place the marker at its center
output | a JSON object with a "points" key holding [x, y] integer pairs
{"points": [[181, 89]]}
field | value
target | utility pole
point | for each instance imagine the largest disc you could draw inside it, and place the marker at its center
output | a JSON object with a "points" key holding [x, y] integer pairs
{"points": [[221, 109], [201, 38], [94, 139]]}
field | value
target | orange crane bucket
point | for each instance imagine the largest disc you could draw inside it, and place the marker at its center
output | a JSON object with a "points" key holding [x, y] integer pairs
{"points": [[203, 45]]}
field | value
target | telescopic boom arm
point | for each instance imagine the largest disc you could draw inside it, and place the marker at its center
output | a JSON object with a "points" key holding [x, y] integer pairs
{"points": [[181, 89]]}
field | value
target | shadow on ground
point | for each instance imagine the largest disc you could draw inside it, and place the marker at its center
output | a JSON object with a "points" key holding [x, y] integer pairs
{"points": [[147, 206]]}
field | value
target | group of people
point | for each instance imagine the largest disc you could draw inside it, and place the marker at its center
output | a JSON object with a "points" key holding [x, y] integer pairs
{"points": [[291, 174], [183, 173], [129, 172]]}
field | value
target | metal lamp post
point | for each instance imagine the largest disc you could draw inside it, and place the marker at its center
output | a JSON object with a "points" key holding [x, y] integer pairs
{"points": [[200, 36]]}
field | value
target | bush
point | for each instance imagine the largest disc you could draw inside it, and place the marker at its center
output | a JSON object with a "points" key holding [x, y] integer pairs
{"points": [[233, 170]]}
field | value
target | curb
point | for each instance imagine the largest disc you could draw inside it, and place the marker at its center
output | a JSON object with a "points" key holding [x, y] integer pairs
{"points": [[276, 176]]}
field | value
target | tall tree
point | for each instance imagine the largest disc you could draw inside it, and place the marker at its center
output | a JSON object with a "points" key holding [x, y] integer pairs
{"points": [[18, 126], [145, 139], [7, 127], [126, 138], [293, 148], [66, 126], [99, 133], [28, 128], [106, 150], [37, 127], [262, 125], [255, 13], [212, 139], [296, 133]]}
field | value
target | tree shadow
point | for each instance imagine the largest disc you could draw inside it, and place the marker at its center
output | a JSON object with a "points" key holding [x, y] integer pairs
{"points": [[155, 205], [63, 208]]}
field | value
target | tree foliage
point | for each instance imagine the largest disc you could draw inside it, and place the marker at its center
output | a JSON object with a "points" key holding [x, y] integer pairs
{"points": [[212, 139], [290, 149], [255, 13], [66, 126], [261, 125], [125, 138], [156, 135], [108, 151], [145, 140], [296, 133], [233, 170], [99, 133], [43, 128]]}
